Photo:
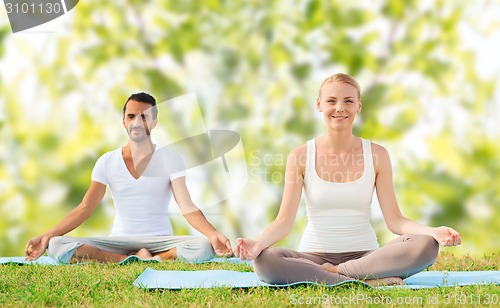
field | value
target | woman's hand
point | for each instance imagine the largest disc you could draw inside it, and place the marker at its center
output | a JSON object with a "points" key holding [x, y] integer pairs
{"points": [[246, 249], [446, 236]]}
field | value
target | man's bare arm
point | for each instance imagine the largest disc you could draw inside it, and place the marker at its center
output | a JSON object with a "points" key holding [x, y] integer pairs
{"points": [[195, 218], [37, 245]]}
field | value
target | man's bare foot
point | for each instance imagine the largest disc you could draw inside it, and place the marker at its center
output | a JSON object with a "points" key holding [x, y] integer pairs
{"points": [[329, 267], [388, 281], [144, 254], [157, 258]]}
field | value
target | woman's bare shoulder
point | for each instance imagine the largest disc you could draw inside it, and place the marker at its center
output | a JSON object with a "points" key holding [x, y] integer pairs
{"points": [[378, 149], [380, 155]]}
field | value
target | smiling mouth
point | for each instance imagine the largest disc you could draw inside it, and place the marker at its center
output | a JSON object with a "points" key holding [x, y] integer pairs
{"points": [[339, 117]]}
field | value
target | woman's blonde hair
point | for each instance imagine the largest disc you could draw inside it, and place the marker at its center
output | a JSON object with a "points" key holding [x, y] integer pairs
{"points": [[344, 78]]}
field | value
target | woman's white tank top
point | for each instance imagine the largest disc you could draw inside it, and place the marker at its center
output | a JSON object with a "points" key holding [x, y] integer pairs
{"points": [[338, 212]]}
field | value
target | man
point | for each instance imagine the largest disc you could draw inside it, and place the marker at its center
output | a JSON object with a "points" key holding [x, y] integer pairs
{"points": [[141, 179]]}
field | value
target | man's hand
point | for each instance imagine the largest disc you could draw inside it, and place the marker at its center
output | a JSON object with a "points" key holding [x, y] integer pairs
{"points": [[221, 245], [446, 236], [246, 249], [36, 247]]}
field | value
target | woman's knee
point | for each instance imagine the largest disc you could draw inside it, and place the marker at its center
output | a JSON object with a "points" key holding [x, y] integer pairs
{"points": [[266, 257], [267, 265], [431, 248], [426, 248]]}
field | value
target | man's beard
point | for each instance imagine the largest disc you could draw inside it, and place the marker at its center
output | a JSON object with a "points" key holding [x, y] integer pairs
{"points": [[138, 138]]}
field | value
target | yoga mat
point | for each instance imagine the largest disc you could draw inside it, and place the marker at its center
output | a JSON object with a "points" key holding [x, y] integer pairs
{"points": [[433, 279], [44, 260], [155, 279]]}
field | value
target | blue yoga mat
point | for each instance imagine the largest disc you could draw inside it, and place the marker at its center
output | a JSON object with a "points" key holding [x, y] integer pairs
{"points": [[156, 279], [44, 260], [20, 260], [432, 279]]}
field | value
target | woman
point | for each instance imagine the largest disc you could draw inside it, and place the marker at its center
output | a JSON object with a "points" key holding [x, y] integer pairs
{"points": [[338, 173]]}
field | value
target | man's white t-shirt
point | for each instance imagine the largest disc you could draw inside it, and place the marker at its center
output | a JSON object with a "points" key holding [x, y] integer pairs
{"points": [[141, 205]]}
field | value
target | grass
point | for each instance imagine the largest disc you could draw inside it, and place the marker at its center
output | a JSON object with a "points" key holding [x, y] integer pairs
{"points": [[111, 285]]}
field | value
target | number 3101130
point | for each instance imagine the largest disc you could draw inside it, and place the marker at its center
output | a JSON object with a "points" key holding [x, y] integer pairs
{"points": [[32, 8]]}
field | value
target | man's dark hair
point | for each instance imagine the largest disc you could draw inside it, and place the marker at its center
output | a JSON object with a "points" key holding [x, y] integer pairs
{"points": [[142, 97]]}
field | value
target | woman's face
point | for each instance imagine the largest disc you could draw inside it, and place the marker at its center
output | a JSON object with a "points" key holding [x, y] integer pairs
{"points": [[339, 103]]}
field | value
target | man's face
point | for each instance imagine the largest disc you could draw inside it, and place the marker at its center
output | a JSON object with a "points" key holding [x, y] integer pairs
{"points": [[138, 120]]}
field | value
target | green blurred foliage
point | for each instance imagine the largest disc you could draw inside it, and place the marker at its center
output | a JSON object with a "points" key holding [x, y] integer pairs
{"points": [[255, 67]]}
